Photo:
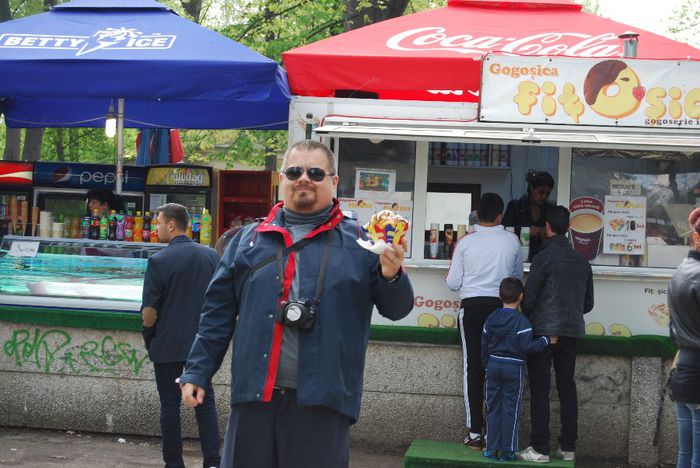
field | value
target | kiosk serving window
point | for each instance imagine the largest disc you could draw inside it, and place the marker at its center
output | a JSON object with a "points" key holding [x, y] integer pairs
{"points": [[459, 173], [630, 208]]}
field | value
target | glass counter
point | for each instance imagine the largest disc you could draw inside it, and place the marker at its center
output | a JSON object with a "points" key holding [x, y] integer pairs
{"points": [[73, 274]]}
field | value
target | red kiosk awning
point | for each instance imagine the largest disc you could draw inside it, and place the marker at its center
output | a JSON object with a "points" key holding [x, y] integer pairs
{"points": [[436, 55]]}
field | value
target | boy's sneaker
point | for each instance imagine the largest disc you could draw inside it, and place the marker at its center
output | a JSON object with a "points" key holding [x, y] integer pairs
{"points": [[473, 442], [507, 456], [566, 456], [532, 455], [492, 454]]}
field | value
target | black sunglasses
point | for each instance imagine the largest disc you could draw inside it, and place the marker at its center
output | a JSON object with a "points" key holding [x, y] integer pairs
{"points": [[315, 173]]}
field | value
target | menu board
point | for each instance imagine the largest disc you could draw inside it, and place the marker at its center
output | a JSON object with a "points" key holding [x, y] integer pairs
{"points": [[624, 228]]}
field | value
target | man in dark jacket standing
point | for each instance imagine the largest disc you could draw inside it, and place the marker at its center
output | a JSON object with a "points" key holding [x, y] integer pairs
{"points": [[296, 293], [173, 293], [559, 290]]}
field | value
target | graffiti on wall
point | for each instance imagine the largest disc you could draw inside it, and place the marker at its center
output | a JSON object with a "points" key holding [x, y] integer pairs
{"points": [[55, 351]]}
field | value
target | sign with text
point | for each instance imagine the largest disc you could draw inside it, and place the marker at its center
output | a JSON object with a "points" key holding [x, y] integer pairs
{"points": [[24, 249], [624, 228], [625, 187], [182, 176], [609, 92]]}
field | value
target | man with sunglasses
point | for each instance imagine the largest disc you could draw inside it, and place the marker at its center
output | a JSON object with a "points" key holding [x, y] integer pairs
{"points": [[296, 294]]}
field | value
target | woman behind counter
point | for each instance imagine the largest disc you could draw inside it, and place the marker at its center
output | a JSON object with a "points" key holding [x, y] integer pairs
{"points": [[531, 209], [683, 302]]}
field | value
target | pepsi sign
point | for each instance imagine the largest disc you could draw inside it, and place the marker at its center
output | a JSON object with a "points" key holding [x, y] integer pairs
{"points": [[88, 176]]}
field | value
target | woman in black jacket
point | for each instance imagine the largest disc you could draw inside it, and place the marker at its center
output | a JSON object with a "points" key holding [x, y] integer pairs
{"points": [[684, 384], [531, 209]]}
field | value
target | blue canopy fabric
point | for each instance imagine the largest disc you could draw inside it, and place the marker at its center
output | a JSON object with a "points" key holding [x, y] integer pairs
{"points": [[65, 67], [153, 147]]}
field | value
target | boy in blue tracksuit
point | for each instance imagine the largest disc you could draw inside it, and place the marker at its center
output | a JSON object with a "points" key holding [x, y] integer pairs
{"points": [[506, 337]]}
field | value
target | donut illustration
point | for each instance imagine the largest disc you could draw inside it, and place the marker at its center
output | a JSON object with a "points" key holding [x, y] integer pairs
{"points": [[613, 90]]}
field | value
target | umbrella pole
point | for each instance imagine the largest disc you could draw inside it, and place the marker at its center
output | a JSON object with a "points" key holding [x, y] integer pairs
{"points": [[120, 144]]}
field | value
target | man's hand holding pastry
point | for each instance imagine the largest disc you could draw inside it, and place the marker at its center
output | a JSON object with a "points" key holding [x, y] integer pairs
{"points": [[392, 259]]}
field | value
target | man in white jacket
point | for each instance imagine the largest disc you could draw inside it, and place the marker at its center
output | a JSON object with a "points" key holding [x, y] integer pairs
{"points": [[480, 261]]}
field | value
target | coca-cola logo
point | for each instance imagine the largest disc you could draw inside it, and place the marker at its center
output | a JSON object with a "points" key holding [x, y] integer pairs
{"points": [[549, 43]]}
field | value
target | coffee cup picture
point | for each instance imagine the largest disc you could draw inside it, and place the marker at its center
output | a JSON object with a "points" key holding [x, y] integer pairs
{"points": [[586, 226]]}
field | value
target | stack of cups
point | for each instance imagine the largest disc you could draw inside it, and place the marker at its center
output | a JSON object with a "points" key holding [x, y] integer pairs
{"points": [[45, 223], [57, 229]]}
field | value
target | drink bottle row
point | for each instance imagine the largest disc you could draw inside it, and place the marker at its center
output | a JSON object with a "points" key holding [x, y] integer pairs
{"points": [[441, 245], [120, 227], [469, 154], [128, 228]]}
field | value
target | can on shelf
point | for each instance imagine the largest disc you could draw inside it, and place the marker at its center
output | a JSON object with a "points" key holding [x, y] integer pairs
{"points": [[85, 223]]}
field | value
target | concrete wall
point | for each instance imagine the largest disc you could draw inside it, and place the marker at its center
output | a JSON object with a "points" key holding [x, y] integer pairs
{"points": [[98, 380]]}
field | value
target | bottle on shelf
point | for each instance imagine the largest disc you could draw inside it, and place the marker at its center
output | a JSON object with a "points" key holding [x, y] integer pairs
{"points": [[112, 235], [104, 226], [449, 241], [434, 240], [138, 227], [85, 225], [129, 227], [196, 226], [495, 155], [66, 227], [154, 230], [95, 225], [461, 231], [484, 153], [147, 227], [504, 159], [205, 230], [121, 226], [462, 154]]}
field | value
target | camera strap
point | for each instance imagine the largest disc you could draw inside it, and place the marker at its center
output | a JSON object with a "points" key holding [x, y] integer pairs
{"points": [[322, 271], [284, 252]]}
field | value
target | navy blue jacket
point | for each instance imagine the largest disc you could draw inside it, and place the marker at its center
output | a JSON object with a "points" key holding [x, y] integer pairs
{"points": [[176, 280], [332, 353], [507, 336]]}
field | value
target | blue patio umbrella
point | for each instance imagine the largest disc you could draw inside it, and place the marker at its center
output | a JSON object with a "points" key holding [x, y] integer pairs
{"points": [[65, 67]]}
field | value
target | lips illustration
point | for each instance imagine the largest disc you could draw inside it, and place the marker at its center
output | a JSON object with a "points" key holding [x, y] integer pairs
{"points": [[638, 92]]}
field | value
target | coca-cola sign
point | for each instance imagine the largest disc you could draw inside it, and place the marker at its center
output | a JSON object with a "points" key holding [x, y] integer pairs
{"points": [[550, 43]]}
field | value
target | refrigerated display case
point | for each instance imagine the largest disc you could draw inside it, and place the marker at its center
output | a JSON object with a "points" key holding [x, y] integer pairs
{"points": [[245, 195], [75, 274], [188, 185], [61, 188], [15, 181]]}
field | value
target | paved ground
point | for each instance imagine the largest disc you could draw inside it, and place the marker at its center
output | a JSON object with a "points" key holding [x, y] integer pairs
{"points": [[45, 448]]}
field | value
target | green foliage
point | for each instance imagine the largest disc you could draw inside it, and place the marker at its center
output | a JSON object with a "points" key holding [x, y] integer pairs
{"points": [[685, 22], [86, 145], [590, 6]]}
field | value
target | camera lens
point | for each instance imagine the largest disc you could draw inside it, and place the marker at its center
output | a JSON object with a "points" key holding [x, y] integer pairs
{"points": [[293, 312]]}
